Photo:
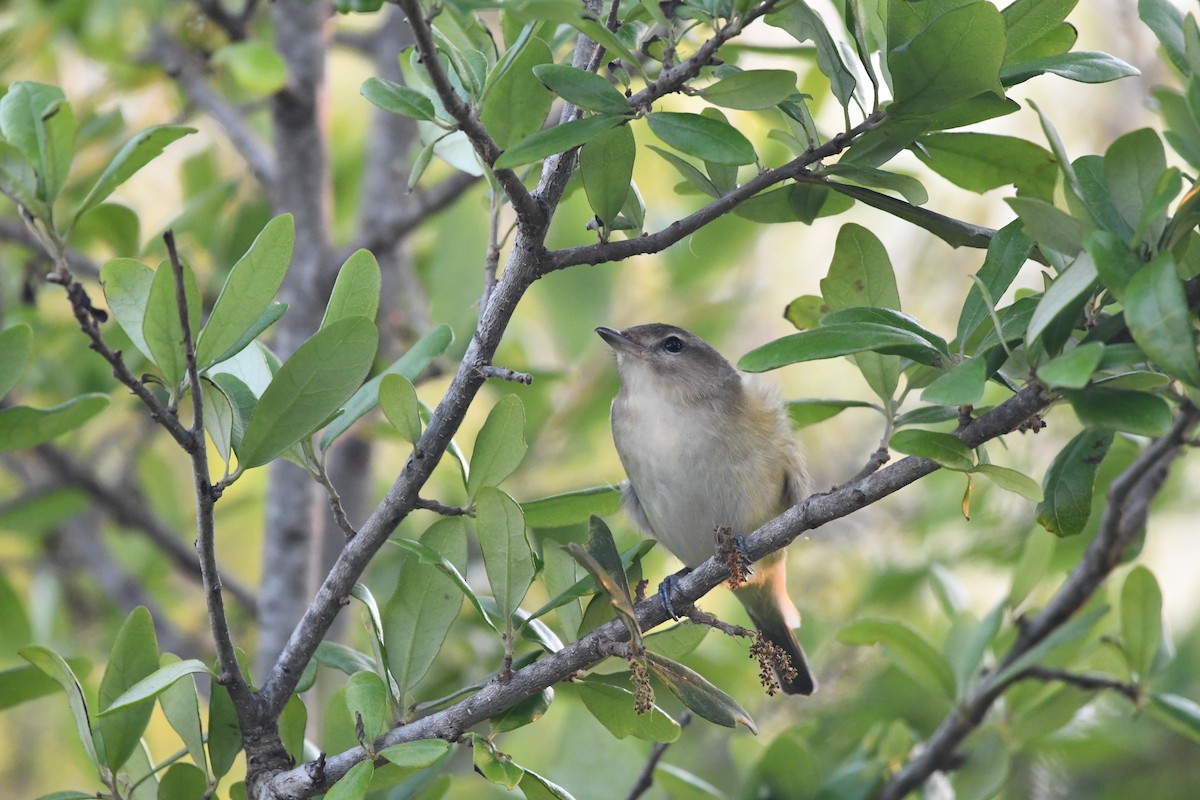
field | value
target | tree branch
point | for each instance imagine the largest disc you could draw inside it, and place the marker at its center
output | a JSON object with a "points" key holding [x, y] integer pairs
{"points": [[1124, 516], [528, 212], [603, 252], [187, 69], [813, 512], [231, 673], [1087, 682]]}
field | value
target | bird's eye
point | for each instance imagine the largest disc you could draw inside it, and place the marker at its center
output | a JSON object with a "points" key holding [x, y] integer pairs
{"points": [[672, 344]]}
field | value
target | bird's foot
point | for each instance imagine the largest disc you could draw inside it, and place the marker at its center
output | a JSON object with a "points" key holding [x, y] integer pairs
{"points": [[668, 585]]}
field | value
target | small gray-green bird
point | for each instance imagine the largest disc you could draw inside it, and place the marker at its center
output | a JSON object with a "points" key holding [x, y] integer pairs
{"points": [[704, 449]]}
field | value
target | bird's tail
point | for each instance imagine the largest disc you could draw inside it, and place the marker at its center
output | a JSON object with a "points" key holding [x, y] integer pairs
{"points": [[773, 613]]}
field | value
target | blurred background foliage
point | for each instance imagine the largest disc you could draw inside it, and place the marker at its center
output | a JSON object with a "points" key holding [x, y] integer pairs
{"points": [[913, 557]]}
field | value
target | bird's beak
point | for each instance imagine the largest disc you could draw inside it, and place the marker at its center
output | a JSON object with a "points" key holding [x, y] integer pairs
{"points": [[619, 341]]}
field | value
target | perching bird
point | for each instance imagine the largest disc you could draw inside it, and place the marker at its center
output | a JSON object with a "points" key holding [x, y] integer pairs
{"points": [[703, 450]]}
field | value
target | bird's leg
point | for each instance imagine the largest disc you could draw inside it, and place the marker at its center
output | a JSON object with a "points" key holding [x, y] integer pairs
{"points": [[731, 548], [668, 585]]}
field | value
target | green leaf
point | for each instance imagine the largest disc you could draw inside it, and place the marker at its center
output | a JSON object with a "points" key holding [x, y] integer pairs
{"points": [[398, 399], [683, 785], [161, 328], [224, 732], [397, 99], [1063, 299], [1011, 480], [500, 445], [1049, 224], [1027, 21], [810, 411], [181, 706], [343, 658], [23, 427], [1082, 66], [356, 290], [1141, 621], [1070, 482], [941, 448], [888, 317], [248, 291], [1121, 410], [430, 556], [961, 386], [417, 754], [694, 177], [829, 341], [254, 65], [537, 787], [127, 283], [354, 784], [1072, 369], [1181, 714], [953, 232], [507, 558], [558, 139], [183, 781], [1166, 20], [134, 657], [493, 765], [526, 712], [320, 376], [613, 707], [423, 606], [137, 153], [18, 180], [1115, 262], [517, 103], [587, 584], [704, 138], [861, 274], [1156, 311], [112, 224], [570, 508], [906, 648], [980, 162], [1133, 165], [53, 665], [16, 344], [366, 698], [908, 187], [956, 57], [751, 89], [600, 558], [37, 120], [695, 692], [584, 89], [606, 165], [154, 684], [804, 24], [410, 365]]}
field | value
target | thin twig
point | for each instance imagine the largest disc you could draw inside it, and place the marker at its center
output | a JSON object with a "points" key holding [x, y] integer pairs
{"points": [[89, 318], [13, 231], [231, 673], [505, 374], [1088, 682], [408, 217], [528, 212], [646, 778], [713, 621], [442, 508]]}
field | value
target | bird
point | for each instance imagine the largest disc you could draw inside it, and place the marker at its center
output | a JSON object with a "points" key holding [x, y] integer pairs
{"points": [[704, 449]]}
